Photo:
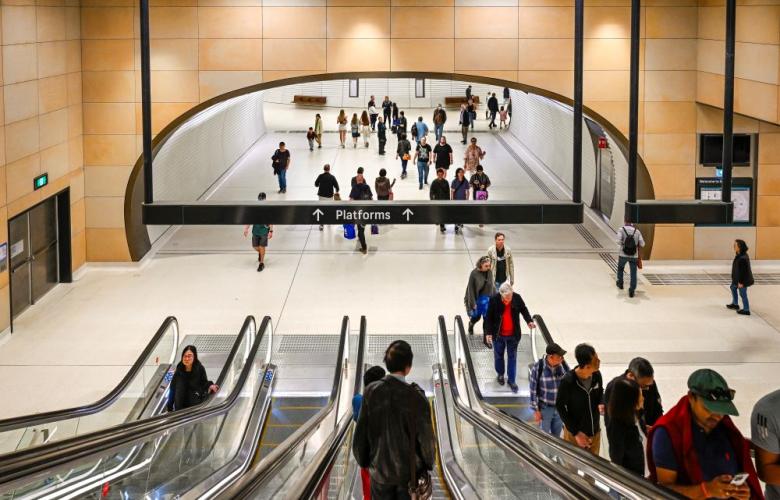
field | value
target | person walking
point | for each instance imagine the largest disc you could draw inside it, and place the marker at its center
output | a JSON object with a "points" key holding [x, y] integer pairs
{"points": [[354, 180], [362, 192], [440, 190], [318, 130], [327, 186], [442, 155], [423, 158], [765, 436], [492, 106], [468, 93], [354, 127], [630, 242], [310, 137], [544, 379], [464, 121], [460, 191], [387, 109], [341, 120], [741, 278], [641, 371], [403, 151], [373, 113], [487, 106], [696, 450], [394, 436], [261, 233], [480, 287], [280, 161], [625, 438], [504, 116], [473, 156], [472, 109], [383, 186], [422, 129], [507, 95], [402, 124], [501, 263], [580, 400], [480, 182], [502, 331], [394, 110], [439, 119], [365, 128], [190, 385], [381, 135]]}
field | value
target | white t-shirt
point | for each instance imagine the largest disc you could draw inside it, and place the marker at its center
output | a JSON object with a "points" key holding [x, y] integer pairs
{"points": [[765, 431]]}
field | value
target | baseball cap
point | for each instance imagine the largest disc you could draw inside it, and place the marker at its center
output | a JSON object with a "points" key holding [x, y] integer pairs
{"points": [[713, 390], [555, 349]]}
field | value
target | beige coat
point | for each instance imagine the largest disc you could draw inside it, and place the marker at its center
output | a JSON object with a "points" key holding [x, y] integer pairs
{"points": [[510, 265]]}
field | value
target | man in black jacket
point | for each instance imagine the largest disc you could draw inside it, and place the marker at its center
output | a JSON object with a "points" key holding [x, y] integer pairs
{"points": [[502, 329], [394, 425], [326, 185], [641, 371], [580, 400], [492, 105]]}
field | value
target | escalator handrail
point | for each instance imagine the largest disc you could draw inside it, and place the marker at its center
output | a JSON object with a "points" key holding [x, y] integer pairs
{"points": [[598, 467], [45, 459], [326, 457], [10, 424], [245, 485]]}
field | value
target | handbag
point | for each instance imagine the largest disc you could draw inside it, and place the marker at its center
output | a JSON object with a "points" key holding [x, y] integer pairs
{"points": [[374, 229], [336, 197], [420, 486], [391, 196], [639, 262], [482, 195], [349, 231], [406, 157]]}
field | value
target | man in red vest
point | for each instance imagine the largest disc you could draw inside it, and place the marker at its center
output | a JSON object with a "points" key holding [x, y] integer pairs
{"points": [[696, 450]]}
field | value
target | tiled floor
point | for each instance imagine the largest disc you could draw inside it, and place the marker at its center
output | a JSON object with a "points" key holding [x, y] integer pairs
{"points": [[78, 341]]}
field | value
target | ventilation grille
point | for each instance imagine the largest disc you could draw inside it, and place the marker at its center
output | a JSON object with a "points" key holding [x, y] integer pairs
{"points": [[706, 279]]}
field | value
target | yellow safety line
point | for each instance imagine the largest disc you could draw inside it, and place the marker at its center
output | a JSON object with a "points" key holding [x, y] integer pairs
{"points": [[436, 446]]}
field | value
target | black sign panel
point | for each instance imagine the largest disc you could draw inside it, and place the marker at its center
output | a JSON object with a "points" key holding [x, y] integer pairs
{"points": [[679, 212], [365, 212]]}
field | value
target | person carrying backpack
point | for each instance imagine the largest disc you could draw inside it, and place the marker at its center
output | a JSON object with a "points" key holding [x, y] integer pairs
{"points": [[630, 242], [545, 377]]}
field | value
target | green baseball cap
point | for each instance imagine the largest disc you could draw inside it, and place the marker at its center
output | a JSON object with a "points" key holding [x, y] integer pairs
{"points": [[713, 391]]}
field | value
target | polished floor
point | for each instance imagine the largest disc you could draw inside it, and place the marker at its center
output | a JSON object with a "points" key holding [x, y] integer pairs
{"points": [[77, 342]]}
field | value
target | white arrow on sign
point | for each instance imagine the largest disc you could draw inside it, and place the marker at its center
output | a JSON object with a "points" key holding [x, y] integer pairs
{"points": [[317, 213], [408, 213]]}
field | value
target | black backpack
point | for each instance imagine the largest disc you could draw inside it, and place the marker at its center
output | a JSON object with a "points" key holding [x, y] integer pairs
{"points": [[629, 243]]}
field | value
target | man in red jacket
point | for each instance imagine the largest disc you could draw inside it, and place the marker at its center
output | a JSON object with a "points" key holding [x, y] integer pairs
{"points": [[696, 450]]}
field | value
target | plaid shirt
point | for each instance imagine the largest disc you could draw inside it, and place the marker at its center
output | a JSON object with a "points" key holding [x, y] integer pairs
{"points": [[544, 388]]}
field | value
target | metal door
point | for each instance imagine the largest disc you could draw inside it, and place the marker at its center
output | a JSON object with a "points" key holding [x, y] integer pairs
{"points": [[19, 254]]}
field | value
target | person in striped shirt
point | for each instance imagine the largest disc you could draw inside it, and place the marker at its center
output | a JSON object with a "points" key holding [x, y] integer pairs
{"points": [[545, 378]]}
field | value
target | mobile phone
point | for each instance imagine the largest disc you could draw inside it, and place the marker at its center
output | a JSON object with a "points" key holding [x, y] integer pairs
{"points": [[739, 479]]}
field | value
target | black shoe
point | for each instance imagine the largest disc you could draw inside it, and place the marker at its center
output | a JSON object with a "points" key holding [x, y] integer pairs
{"points": [[322, 227], [421, 186], [500, 380], [630, 293], [280, 191], [733, 306], [364, 251], [471, 328], [319, 147], [443, 229], [260, 267], [619, 284], [457, 229], [426, 183], [514, 387], [744, 312]]}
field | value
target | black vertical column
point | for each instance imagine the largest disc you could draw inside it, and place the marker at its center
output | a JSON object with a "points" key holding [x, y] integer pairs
{"points": [[146, 103], [576, 188], [728, 99], [633, 104]]}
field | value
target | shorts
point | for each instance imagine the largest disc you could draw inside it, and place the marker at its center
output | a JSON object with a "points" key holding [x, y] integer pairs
{"points": [[259, 241]]}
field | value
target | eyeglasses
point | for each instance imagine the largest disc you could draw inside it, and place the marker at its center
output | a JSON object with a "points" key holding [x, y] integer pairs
{"points": [[718, 394]]}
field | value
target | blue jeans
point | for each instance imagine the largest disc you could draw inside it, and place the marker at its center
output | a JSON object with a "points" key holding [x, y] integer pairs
{"points": [[439, 131], [631, 266], [509, 344], [742, 293], [282, 179], [422, 172], [551, 421]]}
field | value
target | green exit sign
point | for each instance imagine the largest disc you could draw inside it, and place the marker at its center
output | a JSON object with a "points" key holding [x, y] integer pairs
{"points": [[40, 181]]}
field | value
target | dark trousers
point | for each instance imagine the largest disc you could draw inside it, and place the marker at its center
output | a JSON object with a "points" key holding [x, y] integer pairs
{"points": [[631, 261], [389, 492], [464, 129], [373, 121], [508, 344], [382, 143], [493, 118], [386, 113], [361, 230]]}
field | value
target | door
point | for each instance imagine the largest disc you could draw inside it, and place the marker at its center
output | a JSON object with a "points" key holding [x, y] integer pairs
{"points": [[33, 254]]}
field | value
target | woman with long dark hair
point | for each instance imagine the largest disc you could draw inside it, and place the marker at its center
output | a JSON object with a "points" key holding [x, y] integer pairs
{"points": [[741, 278], [190, 386], [625, 439]]}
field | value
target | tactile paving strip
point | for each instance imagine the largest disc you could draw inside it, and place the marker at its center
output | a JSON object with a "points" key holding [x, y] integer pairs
{"points": [[211, 343], [706, 278]]}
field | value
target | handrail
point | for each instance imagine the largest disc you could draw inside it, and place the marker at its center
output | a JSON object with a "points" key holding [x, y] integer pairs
{"points": [[10, 424], [323, 461], [29, 464], [617, 478], [254, 478], [547, 471]]}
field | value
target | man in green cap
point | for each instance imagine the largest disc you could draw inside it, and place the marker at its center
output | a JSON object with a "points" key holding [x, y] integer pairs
{"points": [[696, 450]]}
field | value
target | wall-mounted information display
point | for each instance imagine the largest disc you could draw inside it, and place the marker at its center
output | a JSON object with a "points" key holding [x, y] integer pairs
{"points": [[711, 189]]}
